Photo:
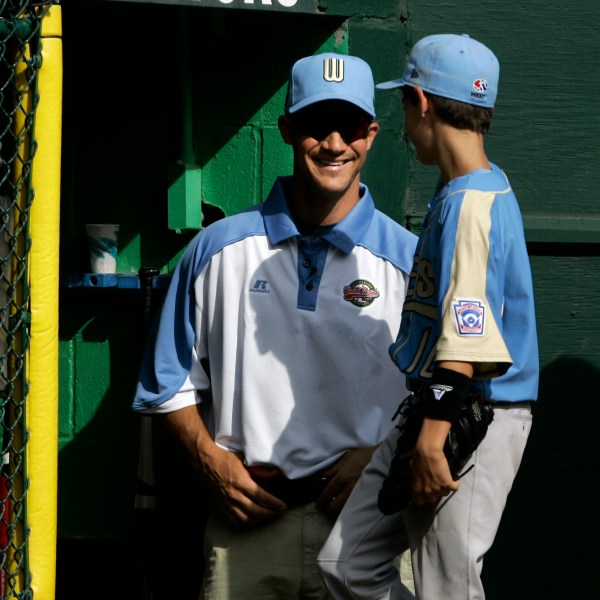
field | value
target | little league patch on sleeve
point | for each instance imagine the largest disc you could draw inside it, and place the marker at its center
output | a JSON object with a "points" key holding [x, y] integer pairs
{"points": [[470, 316]]}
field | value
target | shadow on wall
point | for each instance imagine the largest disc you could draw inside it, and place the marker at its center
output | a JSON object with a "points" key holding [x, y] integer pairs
{"points": [[107, 547], [546, 545]]}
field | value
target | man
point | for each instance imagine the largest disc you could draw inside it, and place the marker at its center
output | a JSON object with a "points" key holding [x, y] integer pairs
{"points": [[468, 327], [268, 362]]}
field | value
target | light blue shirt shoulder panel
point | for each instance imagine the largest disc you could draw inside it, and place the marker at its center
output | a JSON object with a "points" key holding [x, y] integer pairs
{"points": [[167, 357]]}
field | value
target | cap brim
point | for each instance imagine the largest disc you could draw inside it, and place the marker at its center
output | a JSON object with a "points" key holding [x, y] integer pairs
{"points": [[344, 97], [390, 85]]}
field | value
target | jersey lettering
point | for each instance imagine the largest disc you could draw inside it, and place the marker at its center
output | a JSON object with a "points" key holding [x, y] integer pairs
{"points": [[421, 282], [425, 372], [425, 280], [422, 287]]}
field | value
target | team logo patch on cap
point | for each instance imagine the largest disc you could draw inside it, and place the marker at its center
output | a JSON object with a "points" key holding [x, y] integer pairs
{"points": [[480, 85], [470, 317], [360, 293]]}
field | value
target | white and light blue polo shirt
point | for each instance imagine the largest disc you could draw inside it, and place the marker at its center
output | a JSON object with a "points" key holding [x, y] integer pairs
{"points": [[283, 338]]}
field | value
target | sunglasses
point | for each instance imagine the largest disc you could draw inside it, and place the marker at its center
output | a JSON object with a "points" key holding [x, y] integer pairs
{"points": [[318, 125]]}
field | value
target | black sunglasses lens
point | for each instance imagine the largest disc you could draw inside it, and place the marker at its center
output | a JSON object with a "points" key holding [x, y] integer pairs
{"points": [[319, 127]]}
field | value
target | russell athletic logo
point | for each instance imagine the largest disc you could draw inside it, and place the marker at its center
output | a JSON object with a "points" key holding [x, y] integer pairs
{"points": [[333, 70], [261, 286], [360, 293], [470, 316]]}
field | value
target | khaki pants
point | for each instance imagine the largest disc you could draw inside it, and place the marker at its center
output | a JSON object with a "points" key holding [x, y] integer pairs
{"points": [[274, 561]]}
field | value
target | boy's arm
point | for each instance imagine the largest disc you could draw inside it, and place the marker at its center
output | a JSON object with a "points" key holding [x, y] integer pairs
{"points": [[431, 477]]}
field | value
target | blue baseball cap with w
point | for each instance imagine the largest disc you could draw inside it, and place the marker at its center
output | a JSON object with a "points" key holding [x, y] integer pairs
{"points": [[453, 66], [330, 76]]}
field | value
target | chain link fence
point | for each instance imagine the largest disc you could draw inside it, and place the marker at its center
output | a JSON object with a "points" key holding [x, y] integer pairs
{"points": [[20, 59]]}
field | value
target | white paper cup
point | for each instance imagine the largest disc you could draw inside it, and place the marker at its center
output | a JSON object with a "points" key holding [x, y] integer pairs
{"points": [[103, 243]]}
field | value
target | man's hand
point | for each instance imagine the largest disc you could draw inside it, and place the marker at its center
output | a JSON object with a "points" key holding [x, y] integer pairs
{"points": [[235, 494], [344, 474]]}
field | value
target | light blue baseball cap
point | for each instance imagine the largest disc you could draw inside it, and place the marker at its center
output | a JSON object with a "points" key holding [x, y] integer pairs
{"points": [[330, 76], [453, 66]]}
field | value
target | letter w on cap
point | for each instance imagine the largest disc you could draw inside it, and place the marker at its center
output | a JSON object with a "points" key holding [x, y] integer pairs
{"points": [[333, 69]]}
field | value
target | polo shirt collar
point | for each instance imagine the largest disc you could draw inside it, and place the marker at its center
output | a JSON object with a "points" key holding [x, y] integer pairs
{"points": [[344, 235]]}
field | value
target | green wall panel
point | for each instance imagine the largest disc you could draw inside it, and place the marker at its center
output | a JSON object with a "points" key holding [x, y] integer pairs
{"points": [[100, 350], [233, 171], [277, 159], [66, 355], [543, 129]]}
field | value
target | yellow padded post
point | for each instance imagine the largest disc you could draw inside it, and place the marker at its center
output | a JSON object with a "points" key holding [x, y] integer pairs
{"points": [[42, 400]]}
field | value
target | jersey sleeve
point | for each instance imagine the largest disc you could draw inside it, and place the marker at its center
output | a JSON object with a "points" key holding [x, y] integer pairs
{"points": [[472, 278]]}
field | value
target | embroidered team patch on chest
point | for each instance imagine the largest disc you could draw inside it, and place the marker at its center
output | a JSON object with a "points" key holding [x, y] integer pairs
{"points": [[360, 293], [470, 316]]}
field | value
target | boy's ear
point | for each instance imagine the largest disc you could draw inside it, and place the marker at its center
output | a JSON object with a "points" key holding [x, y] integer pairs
{"points": [[285, 128], [423, 102]]}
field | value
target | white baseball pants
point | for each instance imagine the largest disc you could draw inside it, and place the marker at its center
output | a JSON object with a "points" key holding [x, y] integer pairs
{"points": [[448, 540]]}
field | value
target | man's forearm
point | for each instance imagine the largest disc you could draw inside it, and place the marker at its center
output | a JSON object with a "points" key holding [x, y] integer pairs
{"points": [[187, 426]]}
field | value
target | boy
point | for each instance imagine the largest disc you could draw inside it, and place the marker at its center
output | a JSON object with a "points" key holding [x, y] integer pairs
{"points": [[468, 324]]}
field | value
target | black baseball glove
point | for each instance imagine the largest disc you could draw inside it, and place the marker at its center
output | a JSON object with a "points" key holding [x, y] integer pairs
{"points": [[466, 433]]}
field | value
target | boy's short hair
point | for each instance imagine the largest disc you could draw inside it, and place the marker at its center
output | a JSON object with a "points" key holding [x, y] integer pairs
{"points": [[457, 114]]}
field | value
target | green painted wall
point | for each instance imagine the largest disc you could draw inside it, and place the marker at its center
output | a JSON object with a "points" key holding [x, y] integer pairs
{"points": [[123, 130]]}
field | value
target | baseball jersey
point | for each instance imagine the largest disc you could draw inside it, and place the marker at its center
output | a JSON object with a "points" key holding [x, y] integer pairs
{"points": [[282, 338], [470, 295]]}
